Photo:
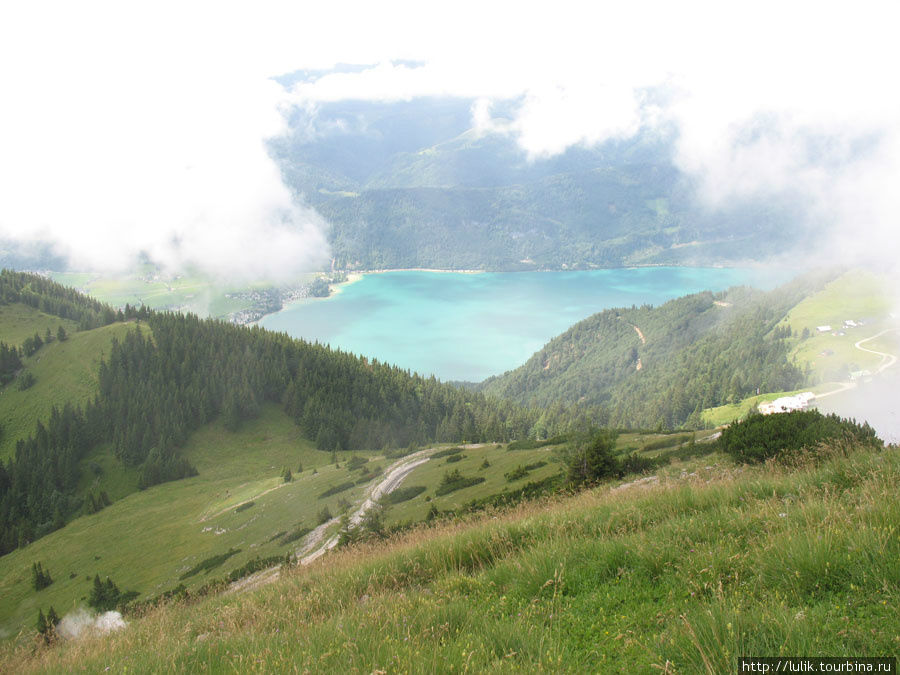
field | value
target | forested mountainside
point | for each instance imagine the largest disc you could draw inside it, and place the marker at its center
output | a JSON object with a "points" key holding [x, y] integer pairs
{"points": [[661, 366], [412, 184], [174, 373]]}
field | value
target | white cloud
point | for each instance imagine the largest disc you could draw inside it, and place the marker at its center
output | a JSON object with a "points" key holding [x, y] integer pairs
{"points": [[124, 128], [126, 132]]}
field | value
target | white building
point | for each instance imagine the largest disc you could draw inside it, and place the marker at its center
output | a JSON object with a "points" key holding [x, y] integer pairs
{"points": [[787, 403]]}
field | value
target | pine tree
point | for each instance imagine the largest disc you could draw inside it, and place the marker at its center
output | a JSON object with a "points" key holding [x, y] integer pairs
{"points": [[40, 578], [41, 625]]}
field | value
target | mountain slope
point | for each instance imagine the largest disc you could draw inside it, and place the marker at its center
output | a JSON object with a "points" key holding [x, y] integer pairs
{"points": [[687, 573], [661, 366], [412, 184], [155, 388], [64, 372]]}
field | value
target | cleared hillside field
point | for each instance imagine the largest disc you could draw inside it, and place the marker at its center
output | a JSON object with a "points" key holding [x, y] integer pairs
{"points": [[857, 296], [19, 321], [147, 540], [832, 356], [684, 574], [65, 372]]}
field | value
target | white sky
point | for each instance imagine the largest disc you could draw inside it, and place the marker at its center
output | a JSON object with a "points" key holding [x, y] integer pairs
{"points": [[128, 127]]}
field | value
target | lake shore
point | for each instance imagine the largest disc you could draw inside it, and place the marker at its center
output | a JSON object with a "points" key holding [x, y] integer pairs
{"points": [[467, 326], [417, 269]]}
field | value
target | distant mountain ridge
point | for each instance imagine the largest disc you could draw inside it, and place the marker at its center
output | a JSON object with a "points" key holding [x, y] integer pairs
{"points": [[413, 184]]}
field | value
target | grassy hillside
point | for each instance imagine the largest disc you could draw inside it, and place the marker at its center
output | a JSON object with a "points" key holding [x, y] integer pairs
{"points": [[858, 296], [830, 358], [194, 293], [183, 523], [144, 542], [19, 321], [685, 573], [64, 372]]}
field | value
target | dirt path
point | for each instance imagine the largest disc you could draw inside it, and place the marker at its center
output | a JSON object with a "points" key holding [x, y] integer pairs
{"points": [[313, 546], [887, 360], [640, 334]]}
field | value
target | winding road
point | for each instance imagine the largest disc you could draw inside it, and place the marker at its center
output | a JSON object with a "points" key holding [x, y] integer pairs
{"points": [[887, 360], [313, 546]]}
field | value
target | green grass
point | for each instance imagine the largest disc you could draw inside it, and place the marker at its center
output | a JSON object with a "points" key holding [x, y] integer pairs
{"points": [[147, 540], [855, 295], [710, 564], [501, 461], [65, 372], [830, 357], [19, 321]]}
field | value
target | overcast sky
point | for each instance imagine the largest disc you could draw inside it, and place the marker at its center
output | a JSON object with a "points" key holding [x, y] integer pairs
{"points": [[126, 128]]}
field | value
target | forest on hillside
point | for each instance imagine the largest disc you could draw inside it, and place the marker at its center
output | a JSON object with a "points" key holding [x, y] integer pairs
{"points": [[174, 373], [411, 184], [699, 351]]}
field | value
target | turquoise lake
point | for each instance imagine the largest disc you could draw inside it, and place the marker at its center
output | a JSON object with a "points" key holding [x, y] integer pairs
{"points": [[469, 326]]}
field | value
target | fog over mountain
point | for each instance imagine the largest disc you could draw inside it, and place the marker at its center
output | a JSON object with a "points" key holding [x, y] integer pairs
{"points": [[128, 131]]}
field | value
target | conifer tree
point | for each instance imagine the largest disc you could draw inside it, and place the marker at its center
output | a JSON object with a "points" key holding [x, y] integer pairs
{"points": [[41, 623]]}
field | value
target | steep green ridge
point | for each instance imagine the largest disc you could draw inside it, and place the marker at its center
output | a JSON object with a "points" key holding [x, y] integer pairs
{"points": [[697, 352], [688, 572], [146, 540]]}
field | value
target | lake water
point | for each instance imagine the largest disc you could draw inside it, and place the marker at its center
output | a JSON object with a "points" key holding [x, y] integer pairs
{"points": [[470, 326]]}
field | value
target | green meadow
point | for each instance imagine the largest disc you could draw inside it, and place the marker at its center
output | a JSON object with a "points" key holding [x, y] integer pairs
{"points": [[19, 321], [832, 356], [170, 527], [64, 372], [683, 574], [195, 292]]}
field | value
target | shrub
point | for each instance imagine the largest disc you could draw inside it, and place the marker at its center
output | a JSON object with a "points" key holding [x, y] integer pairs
{"points": [[760, 437], [448, 452], [592, 458], [529, 444], [40, 578], [209, 563], [454, 480], [403, 494], [297, 533], [337, 489], [26, 380]]}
